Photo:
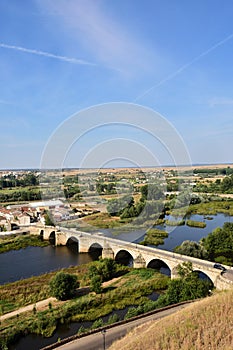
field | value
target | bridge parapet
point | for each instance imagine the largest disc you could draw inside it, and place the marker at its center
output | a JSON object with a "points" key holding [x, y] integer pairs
{"points": [[141, 255], [223, 283]]}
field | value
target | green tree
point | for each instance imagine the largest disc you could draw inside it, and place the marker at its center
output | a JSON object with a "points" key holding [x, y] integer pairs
{"points": [[188, 287], [48, 220], [117, 206], [193, 249], [219, 243], [96, 284], [105, 269], [184, 270], [63, 286]]}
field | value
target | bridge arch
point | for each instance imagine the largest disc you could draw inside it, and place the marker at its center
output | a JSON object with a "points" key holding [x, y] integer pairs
{"points": [[73, 243], [124, 257], [52, 237], [95, 249], [160, 265], [204, 275], [41, 234]]}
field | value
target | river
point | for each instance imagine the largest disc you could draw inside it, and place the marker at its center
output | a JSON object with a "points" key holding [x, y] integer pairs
{"points": [[33, 261], [177, 234]]}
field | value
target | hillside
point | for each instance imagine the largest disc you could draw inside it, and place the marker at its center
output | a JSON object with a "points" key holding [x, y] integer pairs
{"points": [[205, 325]]}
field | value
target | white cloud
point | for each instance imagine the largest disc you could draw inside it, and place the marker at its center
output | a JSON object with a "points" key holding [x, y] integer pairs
{"points": [[46, 54], [104, 36]]}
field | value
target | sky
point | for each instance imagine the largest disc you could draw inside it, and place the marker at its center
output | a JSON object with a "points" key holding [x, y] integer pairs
{"points": [[60, 58]]}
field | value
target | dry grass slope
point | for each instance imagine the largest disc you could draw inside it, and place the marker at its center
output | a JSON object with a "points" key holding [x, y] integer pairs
{"points": [[206, 325]]}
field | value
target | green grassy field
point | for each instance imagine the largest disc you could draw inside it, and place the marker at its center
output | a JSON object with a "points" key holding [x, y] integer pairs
{"points": [[130, 289]]}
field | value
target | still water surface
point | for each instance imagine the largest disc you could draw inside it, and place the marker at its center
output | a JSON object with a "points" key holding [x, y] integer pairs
{"points": [[32, 261], [178, 234]]}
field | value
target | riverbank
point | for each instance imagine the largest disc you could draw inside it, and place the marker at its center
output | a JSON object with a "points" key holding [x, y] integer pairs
{"points": [[130, 289], [15, 242], [47, 303], [212, 208]]}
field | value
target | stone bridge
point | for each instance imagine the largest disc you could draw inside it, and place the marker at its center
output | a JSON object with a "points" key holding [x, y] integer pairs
{"points": [[141, 256]]}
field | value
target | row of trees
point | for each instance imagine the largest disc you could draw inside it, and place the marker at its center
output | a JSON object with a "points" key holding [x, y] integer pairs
{"points": [[218, 186], [150, 203], [11, 180], [21, 195], [220, 171]]}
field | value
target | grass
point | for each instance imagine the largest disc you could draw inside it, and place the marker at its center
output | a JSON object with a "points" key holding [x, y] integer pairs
{"points": [[33, 289], [18, 189], [175, 222], [204, 325], [102, 220], [212, 208], [192, 223], [130, 289], [154, 236], [19, 242]]}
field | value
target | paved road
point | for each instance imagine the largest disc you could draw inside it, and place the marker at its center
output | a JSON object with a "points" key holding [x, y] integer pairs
{"points": [[229, 275], [96, 341]]}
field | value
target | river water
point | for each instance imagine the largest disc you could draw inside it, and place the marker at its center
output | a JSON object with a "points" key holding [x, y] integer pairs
{"points": [[33, 261], [177, 234]]}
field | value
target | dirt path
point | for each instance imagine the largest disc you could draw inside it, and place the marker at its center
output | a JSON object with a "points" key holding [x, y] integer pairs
{"points": [[40, 305], [43, 304], [106, 284]]}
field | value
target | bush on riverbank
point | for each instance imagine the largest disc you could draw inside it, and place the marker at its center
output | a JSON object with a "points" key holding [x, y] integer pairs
{"points": [[19, 242], [63, 285]]}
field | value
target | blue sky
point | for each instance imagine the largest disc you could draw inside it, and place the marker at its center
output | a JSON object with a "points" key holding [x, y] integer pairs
{"points": [[60, 57]]}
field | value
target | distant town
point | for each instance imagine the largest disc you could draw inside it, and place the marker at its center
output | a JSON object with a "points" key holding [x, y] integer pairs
{"points": [[29, 197]]}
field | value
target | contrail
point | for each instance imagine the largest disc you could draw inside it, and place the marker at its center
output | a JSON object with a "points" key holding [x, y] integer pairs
{"points": [[182, 68], [47, 54]]}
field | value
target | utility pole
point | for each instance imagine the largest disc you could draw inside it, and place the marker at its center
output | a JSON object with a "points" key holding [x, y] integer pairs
{"points": [[104, 334]]}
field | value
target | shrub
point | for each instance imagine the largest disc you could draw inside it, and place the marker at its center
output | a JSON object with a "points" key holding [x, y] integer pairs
{"points": [[113, 319], [98, 323], [132, 311], [95, 285], [63, 285]]}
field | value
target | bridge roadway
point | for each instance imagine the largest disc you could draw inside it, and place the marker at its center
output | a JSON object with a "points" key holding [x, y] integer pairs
{"points": [[142, 256]]}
